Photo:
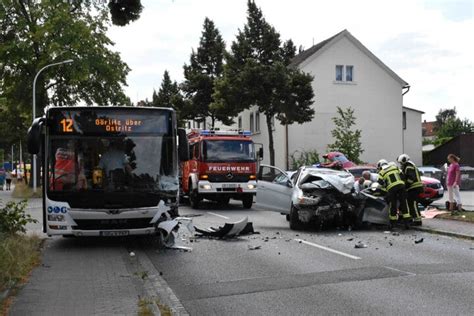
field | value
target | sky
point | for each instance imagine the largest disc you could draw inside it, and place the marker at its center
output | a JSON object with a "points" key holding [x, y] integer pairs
{"points": [[429, 44]]}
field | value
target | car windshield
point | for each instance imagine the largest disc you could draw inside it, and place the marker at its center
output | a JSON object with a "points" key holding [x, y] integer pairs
{"points": [[341, 158], [228, 150]]}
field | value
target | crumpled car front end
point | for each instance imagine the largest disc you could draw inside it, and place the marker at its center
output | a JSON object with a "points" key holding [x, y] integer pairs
{"points": [[322, 196]]}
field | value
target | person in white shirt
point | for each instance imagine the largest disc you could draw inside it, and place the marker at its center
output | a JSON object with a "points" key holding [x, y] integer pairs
{"points": [[365, 181]]}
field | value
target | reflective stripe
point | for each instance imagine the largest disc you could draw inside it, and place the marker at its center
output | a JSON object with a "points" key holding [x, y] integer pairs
{"points": [[391, 177], [412, 171]]}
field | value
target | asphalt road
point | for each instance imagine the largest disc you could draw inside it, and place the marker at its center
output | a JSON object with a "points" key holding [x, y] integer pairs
{"points": [[307, 273], [300, 273]]}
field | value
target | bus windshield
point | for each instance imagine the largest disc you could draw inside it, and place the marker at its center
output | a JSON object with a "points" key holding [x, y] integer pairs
{"points": [[228, 150], [103, 170]]}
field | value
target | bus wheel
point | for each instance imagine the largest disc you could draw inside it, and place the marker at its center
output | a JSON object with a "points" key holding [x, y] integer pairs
{"points": [[247, 200], [193, 197]]}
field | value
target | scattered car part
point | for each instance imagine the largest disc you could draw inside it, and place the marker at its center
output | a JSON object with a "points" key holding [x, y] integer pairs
{"points": [[229, 230]]}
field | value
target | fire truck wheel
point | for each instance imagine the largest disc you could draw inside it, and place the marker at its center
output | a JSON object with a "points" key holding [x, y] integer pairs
{"points": [[247, 201], [193, 197]]}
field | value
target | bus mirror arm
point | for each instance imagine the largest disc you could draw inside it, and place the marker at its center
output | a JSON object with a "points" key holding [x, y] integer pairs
{"points": [[34, 136], [183, 145]]}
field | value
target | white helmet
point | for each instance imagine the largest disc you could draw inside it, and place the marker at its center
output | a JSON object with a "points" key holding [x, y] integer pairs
{"points": [[375, 186], [366, 184], [381, 162], [403, 159]]}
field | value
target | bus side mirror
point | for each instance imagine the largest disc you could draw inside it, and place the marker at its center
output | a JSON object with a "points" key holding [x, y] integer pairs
{"points": [[34, 136], [260, 153], [183, 145]]}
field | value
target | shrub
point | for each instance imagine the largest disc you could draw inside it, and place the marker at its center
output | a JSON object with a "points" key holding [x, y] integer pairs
{"points": [[13, 218], [303, 158]]}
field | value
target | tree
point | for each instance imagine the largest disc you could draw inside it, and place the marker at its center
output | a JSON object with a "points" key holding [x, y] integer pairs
{"points": [[123, 12], [444, 115], [206, 66], [448, 125], [346, 140], [257, 73], [169, 96], [34, 34]]}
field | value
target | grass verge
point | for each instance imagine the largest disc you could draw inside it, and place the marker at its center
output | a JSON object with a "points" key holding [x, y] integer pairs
{"points": [[18, 255], [23, 191], [458, 216]]}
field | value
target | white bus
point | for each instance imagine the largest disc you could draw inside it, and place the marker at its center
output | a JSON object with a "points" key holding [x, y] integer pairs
{"points": [[108, 171]]}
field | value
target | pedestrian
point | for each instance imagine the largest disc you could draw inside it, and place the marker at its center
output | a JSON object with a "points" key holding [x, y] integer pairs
{"points": [[453, 181], [413, 186], [8, 179], [391, 180]]}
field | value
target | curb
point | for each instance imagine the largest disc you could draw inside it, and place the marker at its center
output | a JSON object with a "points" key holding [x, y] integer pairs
{"points": [[443, 232], [156, 286]]}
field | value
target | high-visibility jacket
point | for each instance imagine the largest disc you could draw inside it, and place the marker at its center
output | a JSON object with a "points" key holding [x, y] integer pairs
{"points": [[412, 176], [390, 176]]}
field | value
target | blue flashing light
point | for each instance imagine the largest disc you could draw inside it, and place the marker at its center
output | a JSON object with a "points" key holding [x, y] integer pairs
{"points": [[206, 132], [247, 133]]}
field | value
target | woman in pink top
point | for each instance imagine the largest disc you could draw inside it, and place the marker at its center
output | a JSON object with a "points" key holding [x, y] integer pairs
{"points": [[453, 181]]}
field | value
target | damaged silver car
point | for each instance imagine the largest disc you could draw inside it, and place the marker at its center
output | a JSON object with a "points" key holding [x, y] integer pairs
{"points": [[308, 197]]}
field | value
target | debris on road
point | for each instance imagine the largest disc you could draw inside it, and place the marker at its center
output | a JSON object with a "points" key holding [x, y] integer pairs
{"points": [[360, 245], [395, 234], [390, 243], [250, 247], [418, 241], [432, 213], [229, 230], [350, 239], [132, 254]]}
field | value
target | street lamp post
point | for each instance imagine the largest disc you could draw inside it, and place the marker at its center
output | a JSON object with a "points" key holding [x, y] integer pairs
{"points": [[34, 111]]}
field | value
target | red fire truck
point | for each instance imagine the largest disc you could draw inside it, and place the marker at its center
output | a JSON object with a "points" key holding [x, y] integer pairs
{"points": [[223, 165]]}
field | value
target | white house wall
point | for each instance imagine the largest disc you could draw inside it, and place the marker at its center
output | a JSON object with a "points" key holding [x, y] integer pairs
{"points": [[412, 136], [374, 95]]}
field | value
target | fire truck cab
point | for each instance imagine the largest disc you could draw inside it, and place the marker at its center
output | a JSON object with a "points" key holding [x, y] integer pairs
{"points": [[222, 165]]}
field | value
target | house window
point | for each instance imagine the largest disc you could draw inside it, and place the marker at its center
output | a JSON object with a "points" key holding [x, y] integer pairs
{"points": [[404, 120], [257, 122], [240, 122], [349, 73], [339, 69], [251, 123]]}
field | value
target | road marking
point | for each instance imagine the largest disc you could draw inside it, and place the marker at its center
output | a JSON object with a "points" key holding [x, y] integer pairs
{"points": [[328, 249], [218, 215], [409, 273]]}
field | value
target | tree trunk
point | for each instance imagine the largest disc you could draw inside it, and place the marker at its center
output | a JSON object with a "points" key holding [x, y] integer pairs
{"points": [[271, 149], [213, 121]]}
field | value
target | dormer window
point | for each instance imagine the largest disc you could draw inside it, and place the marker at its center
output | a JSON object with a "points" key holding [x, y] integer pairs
{"points": [[344, 73], [349, 70], [339, 70]]}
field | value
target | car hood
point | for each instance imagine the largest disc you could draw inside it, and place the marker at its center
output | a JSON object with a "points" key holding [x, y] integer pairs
{"points": [[341, 180], [429, 180]]}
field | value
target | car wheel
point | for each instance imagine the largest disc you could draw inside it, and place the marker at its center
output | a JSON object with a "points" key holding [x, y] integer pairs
{"points": [[194, 198], [247, 201], [287, 216], [295, 222]]}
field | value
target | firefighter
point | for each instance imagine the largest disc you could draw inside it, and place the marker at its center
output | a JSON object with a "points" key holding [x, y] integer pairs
{"points": [[391, 180], [413, 186]]}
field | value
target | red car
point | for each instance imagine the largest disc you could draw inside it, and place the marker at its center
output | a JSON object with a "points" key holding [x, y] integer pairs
{"points": [[433, 190]]}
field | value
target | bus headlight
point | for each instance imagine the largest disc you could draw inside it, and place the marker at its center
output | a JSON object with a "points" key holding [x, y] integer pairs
{"points": [[56, 217], [251, 186]]}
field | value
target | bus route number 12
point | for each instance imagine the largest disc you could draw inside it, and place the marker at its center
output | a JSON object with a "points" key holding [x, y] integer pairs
{"points": [[67, 125]]}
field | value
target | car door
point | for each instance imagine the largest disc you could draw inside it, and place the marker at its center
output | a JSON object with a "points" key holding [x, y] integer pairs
{"points": [[274, 189]]}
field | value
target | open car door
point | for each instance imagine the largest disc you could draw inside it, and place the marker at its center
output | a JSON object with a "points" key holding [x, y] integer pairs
{"points": [[274, 189]]}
